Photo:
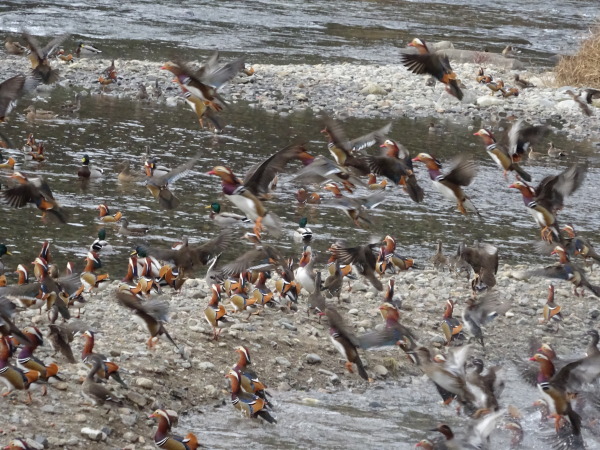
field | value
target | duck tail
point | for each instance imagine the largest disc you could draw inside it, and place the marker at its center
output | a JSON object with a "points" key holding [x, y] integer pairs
{"points": [[524, 175], [453, 89], [191, 441], [361, 369], [415, 192], [266, 416], [52, 371], [117, 377]]}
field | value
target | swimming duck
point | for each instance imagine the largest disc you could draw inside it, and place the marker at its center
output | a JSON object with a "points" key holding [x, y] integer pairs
{"points": [[105, 216], [205, 82], [450, 185], [124, 229], [303, 233], [307, 198], [40, 57], [163, 440], [249, 404], [86, 172], [433, 64], [36, 191], [73, 107], [545, 200], [86, 49], [39, 114], [14, 47], [225, 219], [510, 51], [11, 90], [63, 56], [10, 164]]}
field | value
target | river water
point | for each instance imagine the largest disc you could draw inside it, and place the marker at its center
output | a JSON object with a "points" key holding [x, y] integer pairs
{"points": [[111, 130]]}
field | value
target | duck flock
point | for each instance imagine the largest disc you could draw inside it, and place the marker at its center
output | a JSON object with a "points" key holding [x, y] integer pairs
{"points": [[266, 280]]}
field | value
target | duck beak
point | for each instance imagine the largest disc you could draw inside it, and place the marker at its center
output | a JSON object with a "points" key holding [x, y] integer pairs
{"points": [[416, 159], [212, 172], [476, 134]]}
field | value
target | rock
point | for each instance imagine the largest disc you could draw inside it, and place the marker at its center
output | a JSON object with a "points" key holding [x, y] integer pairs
{"points": [[130, 437], [136, 398], [206, 365], [280, 360], [373, 89], [489, 100], [353, 312], [284, 386], [145, 383], [313, 358], [334, 379], [79, 418], [42, 441], [594, 313], [380, 371], [128, 419], [94, 435], [211, 391], [288, 326]]}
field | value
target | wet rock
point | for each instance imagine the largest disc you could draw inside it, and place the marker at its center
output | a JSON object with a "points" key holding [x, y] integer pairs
{"points": [[94, 435], [280, 360], [313, 358]]}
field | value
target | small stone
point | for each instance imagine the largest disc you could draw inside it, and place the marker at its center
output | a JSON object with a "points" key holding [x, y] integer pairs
{"points": [[48, 409], [136, 398], [94, 435], [211, 391], [313, 358], [42, 441], [145, 383], [130, 437], [80, 418], [288, 326], [380, 371], [353, 312], [206, 365], [284, 386], [334, 379], [128, 419], [594, 313], [280, 360]]}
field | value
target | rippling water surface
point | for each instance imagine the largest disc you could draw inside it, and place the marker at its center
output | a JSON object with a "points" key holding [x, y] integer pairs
{"points": [[288, 31]]}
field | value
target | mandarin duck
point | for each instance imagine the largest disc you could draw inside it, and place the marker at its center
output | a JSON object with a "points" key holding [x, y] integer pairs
{"points": [[173, 279], [249, 380], [305, 273], [86, 172], [481, 310], [262, 294], [334, 282], [346, 152], [190, 257], [438, 66], [158, 185], [396, 165], [249, 404], [483, 259], [545, 200], [225, 219], [18, 379], [204, 82], [554, 386], [320, 170], [500, 155], [393, 333], [240, 301], [356, 208], [551, 310], [27, 361], [7, 326], [303, 233], [287, 287], [60, 338], [510, 92], [151, 315], [104, 214], [476, 437], [11, 90], [18, 444], [36, 191], [215, 314], [14, 47], [481, 77], [345, 342], [307, 198], [565, 270], [451, 326], [95, 392], [495, 86], [108, 369], [34, 113], [162, 438], [392, 259], [362, 257], [10, 163], [579, 246], [201, 108], [39, 57], [450, 184], [522, 83]]}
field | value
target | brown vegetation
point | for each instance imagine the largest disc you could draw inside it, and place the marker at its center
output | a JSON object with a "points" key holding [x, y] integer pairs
{"points": [[583, 68]]}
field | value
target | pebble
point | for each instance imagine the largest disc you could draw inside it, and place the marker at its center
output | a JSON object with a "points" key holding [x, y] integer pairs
{"points": [[313, 358], [380, 371], [136, 398], [280, 360], [206, 365], [284, 386], [94, 435], [145, 383]]}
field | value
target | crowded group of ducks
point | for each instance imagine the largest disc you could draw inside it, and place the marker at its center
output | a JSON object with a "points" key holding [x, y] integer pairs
{"points": [[264, 276]]}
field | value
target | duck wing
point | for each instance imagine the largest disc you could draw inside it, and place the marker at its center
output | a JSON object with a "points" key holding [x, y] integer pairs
{"points": [[463, 171]]}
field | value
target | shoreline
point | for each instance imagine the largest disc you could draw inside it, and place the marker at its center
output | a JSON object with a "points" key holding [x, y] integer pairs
{"points": [[346, 89], [280, 344]]}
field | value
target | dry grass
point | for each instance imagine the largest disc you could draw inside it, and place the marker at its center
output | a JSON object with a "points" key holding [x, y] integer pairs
{"points": [[583, 68]]}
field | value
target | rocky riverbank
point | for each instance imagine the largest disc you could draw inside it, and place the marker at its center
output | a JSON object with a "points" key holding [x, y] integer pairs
{"points": [[290, 351], [348, 89]]}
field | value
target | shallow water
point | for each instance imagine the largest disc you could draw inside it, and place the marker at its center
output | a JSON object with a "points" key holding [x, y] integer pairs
{"points": [[288, 31], [112, 130]]}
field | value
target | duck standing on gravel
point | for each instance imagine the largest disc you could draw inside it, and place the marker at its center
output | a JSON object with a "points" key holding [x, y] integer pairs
{"points": [[433, 64]]}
